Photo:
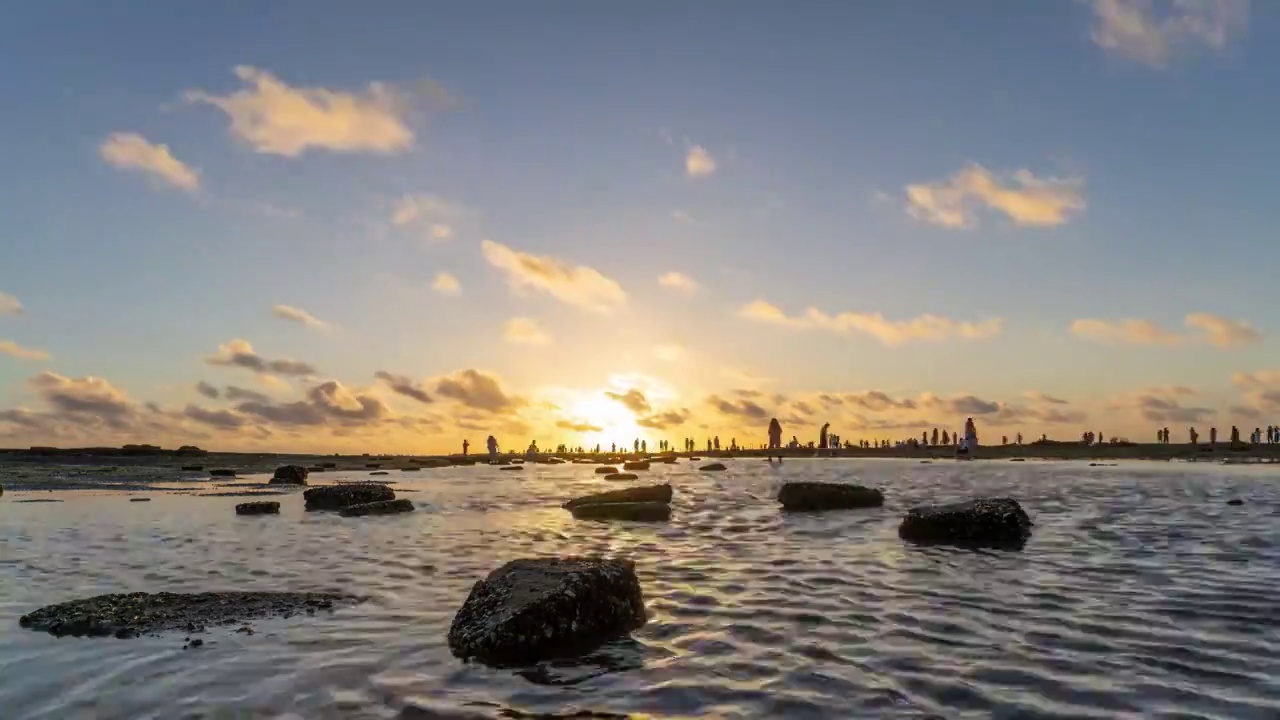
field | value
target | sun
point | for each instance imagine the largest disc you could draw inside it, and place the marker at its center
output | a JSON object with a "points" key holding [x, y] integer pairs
{"points": [[616, 423]]}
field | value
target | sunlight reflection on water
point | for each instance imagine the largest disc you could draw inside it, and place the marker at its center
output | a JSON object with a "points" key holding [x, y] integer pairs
{"points": [[1140, 593]]}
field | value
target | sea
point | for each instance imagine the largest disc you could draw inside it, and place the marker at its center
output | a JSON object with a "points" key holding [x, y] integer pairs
{"points": [[1141, 594]]}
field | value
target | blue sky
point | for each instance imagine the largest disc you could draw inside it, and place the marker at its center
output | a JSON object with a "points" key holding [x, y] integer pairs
{"points": [[1055, 188]]}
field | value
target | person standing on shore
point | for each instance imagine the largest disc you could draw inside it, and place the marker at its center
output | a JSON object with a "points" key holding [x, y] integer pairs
{"points": [[492, 445], [466, 445], [970, 436], [775, 434]]}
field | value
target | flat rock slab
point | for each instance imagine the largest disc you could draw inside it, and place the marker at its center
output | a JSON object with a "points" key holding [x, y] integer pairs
{"points": [[649, 493], [606, 470], [639, 465], [222, 473], [511, 467], [635, 511], [984, 521], [816, 496], [336, 497], [265, 507], [535, 609], [125, 615], [621, 476], [713, 467], [383, 507], [139, 499]]}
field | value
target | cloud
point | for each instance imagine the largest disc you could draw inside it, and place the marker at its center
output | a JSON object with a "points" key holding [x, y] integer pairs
{"points": [[679, 281], [699, 163], [328, 403], [1202, 327], [958, 405], [578, 427], [1025, 199], [239, 353], [131, 151], [889, 332], [275, 118], [665, 420], [739, 408], [239, 394], [404, 386], [1039, 397], [1161, 405], [633, 400], [217, 418], [526, 331], [1261, 388], [13, 349], [9, 304], [207, 390], [87, 397], [446, 284], [298, 315], [339, 402], [579, 285], [427, 214], [1134, 29], [479, 390], [669, 352]]}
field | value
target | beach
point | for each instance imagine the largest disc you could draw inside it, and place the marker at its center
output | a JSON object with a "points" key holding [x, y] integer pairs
{"points": [[1141, 592]]}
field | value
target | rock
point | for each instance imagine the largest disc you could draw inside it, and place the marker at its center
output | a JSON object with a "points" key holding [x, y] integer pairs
{"points": [[1, 491], [192, 468], [985, 521], [648, 493], [621, 476], [336, 497], [1017, 459], [380, 472], [222, 473], [713, 467], [290, 475], [1235, 501], [382, 507], [533, 609], [636, 511], [316, 469], [511, 467], [638, 465], [262, 507], [373, 466], [131, 614], [409, 469], [139, 499], [606, 470], [329, 465], [812, 496]]}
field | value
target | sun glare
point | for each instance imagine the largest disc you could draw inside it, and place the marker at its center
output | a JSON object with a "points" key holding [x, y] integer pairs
{"points": [[616, 423]]}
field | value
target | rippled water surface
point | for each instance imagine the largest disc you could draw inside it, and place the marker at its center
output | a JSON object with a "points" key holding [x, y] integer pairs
{"points": [[1141, 594]]}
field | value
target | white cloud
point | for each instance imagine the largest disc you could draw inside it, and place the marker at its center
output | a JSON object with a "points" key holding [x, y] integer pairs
{"points": [[428, 214], [131, 151], [9, 304], [679, 281], [1202, 327], [576, 285], [13, 349], [889, 332], [699, 163], [526, 331], [1021, 196], [275, 118], [1151, 31], [298, 315], [446, 284]]}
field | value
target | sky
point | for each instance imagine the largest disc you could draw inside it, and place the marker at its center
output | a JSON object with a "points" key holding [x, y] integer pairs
{"points": [[309, 227]]}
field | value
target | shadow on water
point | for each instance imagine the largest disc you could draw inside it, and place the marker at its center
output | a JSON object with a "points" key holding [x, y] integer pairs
{"points": [[614, 657]]}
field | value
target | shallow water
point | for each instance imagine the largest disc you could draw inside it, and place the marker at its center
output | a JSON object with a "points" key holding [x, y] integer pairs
{"points": [[1141, 593]]}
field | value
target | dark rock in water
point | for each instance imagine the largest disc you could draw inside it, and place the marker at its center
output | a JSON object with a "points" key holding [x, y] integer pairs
{"points": [[648, 493], [240, 493], [380, 472], [222, 473], [316, 469], [511, 467], [290, 475], [1, 490], [373, 465], [39, 500], [262, 507], [713, 467], [606, 470], [382, 507], [193, 468], [409, 469], [131, 614], [139, 499], [668, 460], [534, 609], [621, 476], [639, 465], [985, 521], [1235, 501], [637, 511], [336, 497], [812, 496], [694, 458], [1017, 459], [329, 465]]}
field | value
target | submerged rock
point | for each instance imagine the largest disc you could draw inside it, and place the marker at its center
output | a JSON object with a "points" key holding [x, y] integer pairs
{"points": [[638, 465], [713, 467], [262, 507], [192, 468], [382, 507], [534, 609], [648, 493], [812, 496], [636, 511], [1235, 501], [139, 499], [512, 467], [222, 473], [336, 497], [131, 614], [380, 472], [621, 476], [290, 475], [985, 521], [606, 470]]}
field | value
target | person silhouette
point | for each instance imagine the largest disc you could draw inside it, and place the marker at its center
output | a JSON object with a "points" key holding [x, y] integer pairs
{"points": [[466, 445]]}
